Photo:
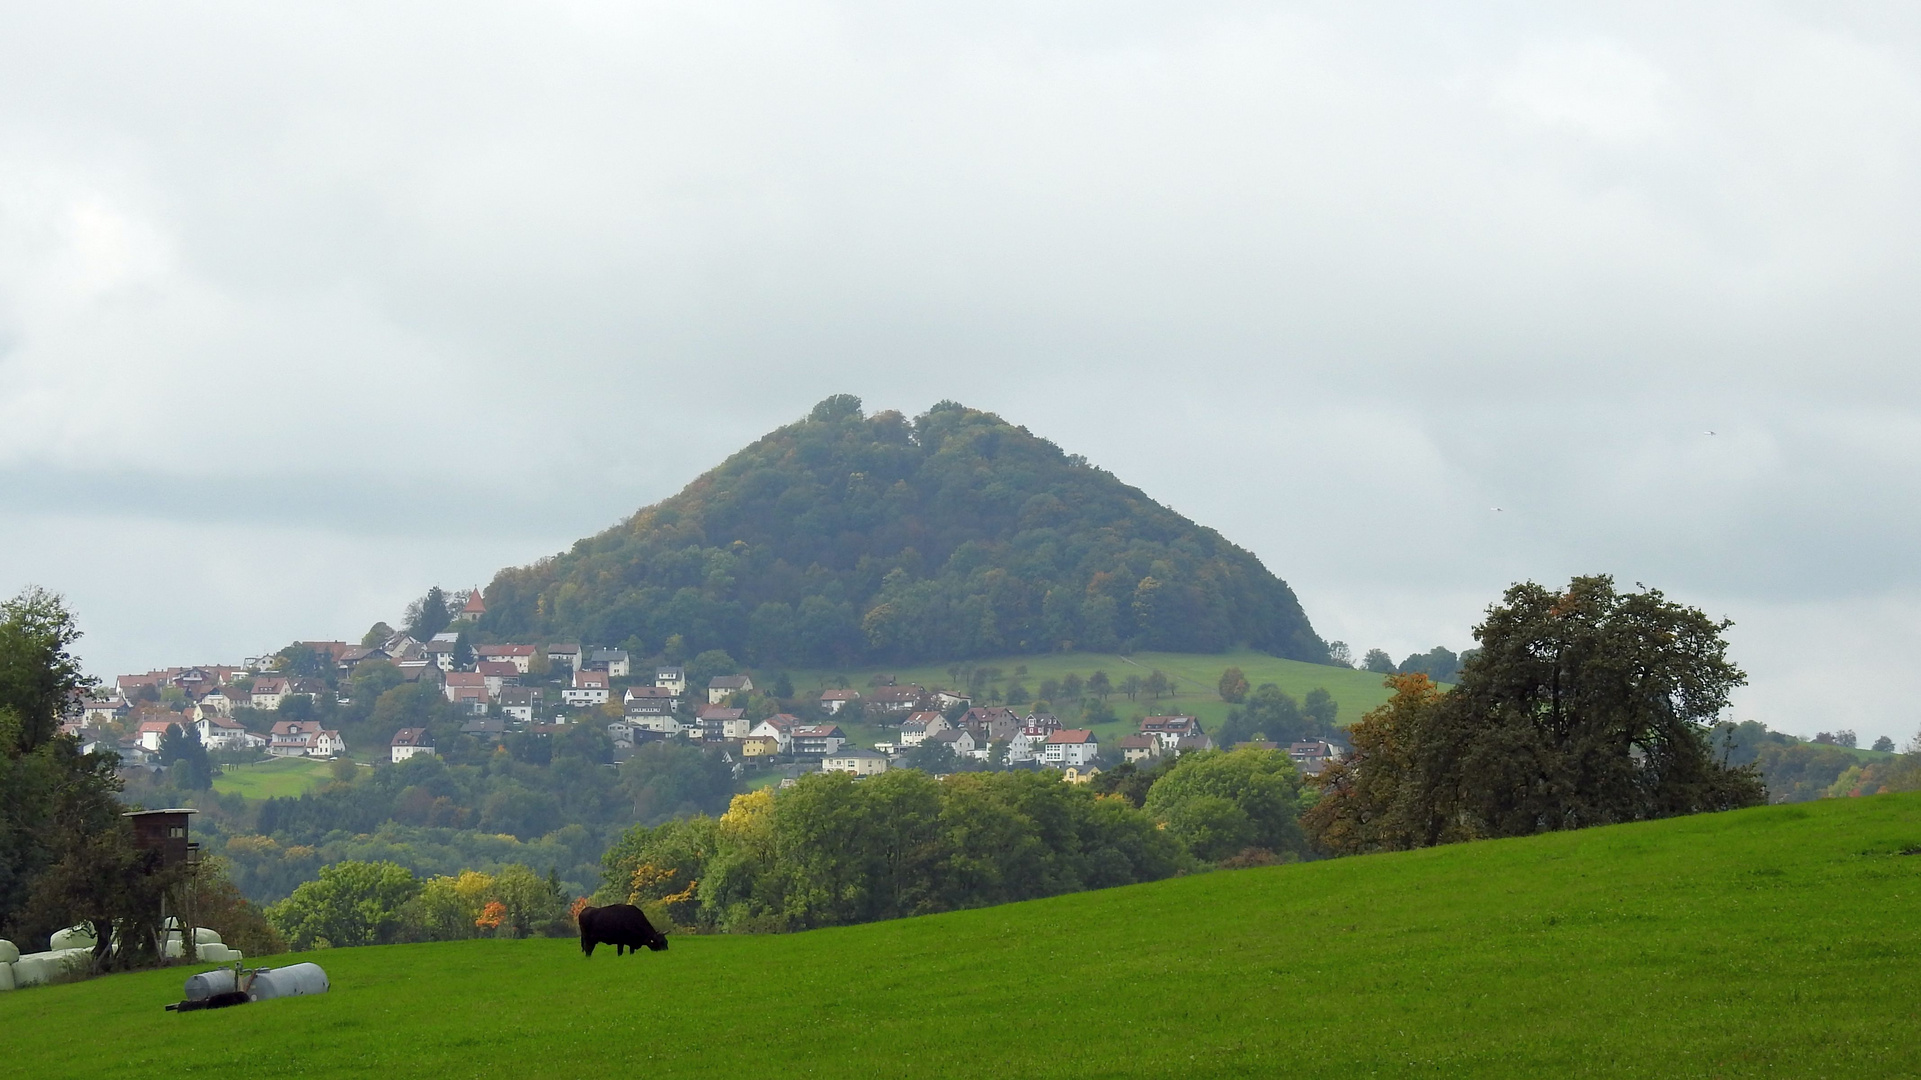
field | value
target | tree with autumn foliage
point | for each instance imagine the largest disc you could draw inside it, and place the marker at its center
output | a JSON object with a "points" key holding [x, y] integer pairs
{"points": [[1584, 706]]}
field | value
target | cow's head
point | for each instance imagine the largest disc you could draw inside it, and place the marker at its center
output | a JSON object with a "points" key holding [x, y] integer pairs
{"points": [[658, 942]]}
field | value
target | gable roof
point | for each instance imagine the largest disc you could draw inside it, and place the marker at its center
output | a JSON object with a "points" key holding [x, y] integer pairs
{"points": [[465, 679], [474, 605], [503, 650], [413, 736], [727, 682], [840, 694], [819, 731], [1070, 736]]}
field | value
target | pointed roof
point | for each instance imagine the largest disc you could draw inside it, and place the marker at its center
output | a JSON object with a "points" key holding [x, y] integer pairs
{"points": [[475, 605]]}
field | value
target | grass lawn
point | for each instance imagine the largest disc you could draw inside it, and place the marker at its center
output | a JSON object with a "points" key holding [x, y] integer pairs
{"points": [[268, 779], [1778, 941], [1195, 675]]}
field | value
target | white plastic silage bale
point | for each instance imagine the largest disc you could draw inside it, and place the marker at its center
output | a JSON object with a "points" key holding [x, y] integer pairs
{"points": [[217, 953], [205, 936], [6, 976], [73, 937], [8, 952], [33, 969]]}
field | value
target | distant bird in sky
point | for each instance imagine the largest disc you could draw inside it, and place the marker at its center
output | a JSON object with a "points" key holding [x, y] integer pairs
{"points": [[1496, 509], [1707, 433]]}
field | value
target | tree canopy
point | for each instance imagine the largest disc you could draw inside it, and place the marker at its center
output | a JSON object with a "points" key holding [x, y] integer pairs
{"points": [[1584, 706], [846, 538]]}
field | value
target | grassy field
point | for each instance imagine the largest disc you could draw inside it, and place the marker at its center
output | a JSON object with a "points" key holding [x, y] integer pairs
{"points": [[268, 779], [1779, 941], [1195, 675]]}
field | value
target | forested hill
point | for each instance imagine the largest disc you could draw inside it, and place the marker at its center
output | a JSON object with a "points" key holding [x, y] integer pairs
{"points": [[847, 538]]}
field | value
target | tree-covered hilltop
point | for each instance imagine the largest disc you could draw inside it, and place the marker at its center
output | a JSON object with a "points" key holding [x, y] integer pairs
{"points": [[846, 538]]}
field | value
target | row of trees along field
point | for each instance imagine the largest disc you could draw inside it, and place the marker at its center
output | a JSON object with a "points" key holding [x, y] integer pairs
{"points": [[832, 850]]}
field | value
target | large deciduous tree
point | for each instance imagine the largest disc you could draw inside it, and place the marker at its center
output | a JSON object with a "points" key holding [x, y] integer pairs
{"points": [[1583, 706]]}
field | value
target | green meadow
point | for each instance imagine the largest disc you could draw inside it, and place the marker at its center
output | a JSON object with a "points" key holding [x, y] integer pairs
{"points": [[275, 777], [1777, 941], [1195, 677]]}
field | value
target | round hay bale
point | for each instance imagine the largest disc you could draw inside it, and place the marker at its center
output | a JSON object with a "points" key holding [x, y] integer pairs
{"points": [[73, 937], [6, 976], [8, 952]]}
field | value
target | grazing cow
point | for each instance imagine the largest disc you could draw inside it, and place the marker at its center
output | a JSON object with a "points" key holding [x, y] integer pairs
{"points": [[623, 926]]}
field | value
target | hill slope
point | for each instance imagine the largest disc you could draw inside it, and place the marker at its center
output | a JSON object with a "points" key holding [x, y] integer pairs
{"points": [[846, 538], [1775, 941]]}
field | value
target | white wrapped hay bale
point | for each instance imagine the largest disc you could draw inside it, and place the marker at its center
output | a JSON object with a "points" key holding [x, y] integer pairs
{"points": [[33, 969], [205, 936], [73, 937], [291, 981], [216, 953], [71, 962], [8, 952], [6, 976]]}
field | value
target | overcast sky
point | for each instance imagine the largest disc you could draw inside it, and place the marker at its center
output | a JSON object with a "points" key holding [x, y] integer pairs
{"points": [[303, 310]]}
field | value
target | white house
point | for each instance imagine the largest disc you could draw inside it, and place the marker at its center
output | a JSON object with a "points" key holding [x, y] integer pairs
{"points": [[1170, 730], [612, 661], [959, 740], [520, 703], [566, 655], [835, 700], [722, 687], [268, 690], [520, 656], [215, 701], [1025, 746], [819, 739], [671, 679], [779, 727], [304, 738], [497, 673], [854, 760], [150, 732], [1070, 746], [412, 742], [441, 653], [947, 699], [219, 733], [589, 688], [458, 681]]}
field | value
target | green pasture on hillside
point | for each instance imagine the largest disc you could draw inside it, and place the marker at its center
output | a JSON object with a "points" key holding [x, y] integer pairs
{"points": [[275, 777], [1195, 676], [1778, 941]]}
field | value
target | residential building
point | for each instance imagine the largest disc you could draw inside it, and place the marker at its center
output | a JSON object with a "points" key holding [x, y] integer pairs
{"points": [[1070, 746], [219, 733], [854, 760], [754, 746], [1191, 743], [1080, 774], [521, 703], [722, 687], [947, 699], [1139, 748], [304, 738], [215, 701], [1025, 746], [833, 701], [412, 742], [1170, 730], [440, 653], [104, 710], [564, 655], [818, 740], [485, 728], [1312, 756], [459, 681], [150, 732], [780, 727], [651, 708], [897, 698], [520, 656], [991, 725], [959, 740], [720, 722], [612, 661], [589, 688], [268, 691], [498, 673], [671, 679]]}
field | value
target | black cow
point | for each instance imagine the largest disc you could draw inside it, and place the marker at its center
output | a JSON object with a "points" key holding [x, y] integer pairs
{"points": [[623, 926]]}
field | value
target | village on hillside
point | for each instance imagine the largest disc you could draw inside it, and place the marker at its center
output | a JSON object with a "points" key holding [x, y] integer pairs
{"points": [[241, 711]]}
